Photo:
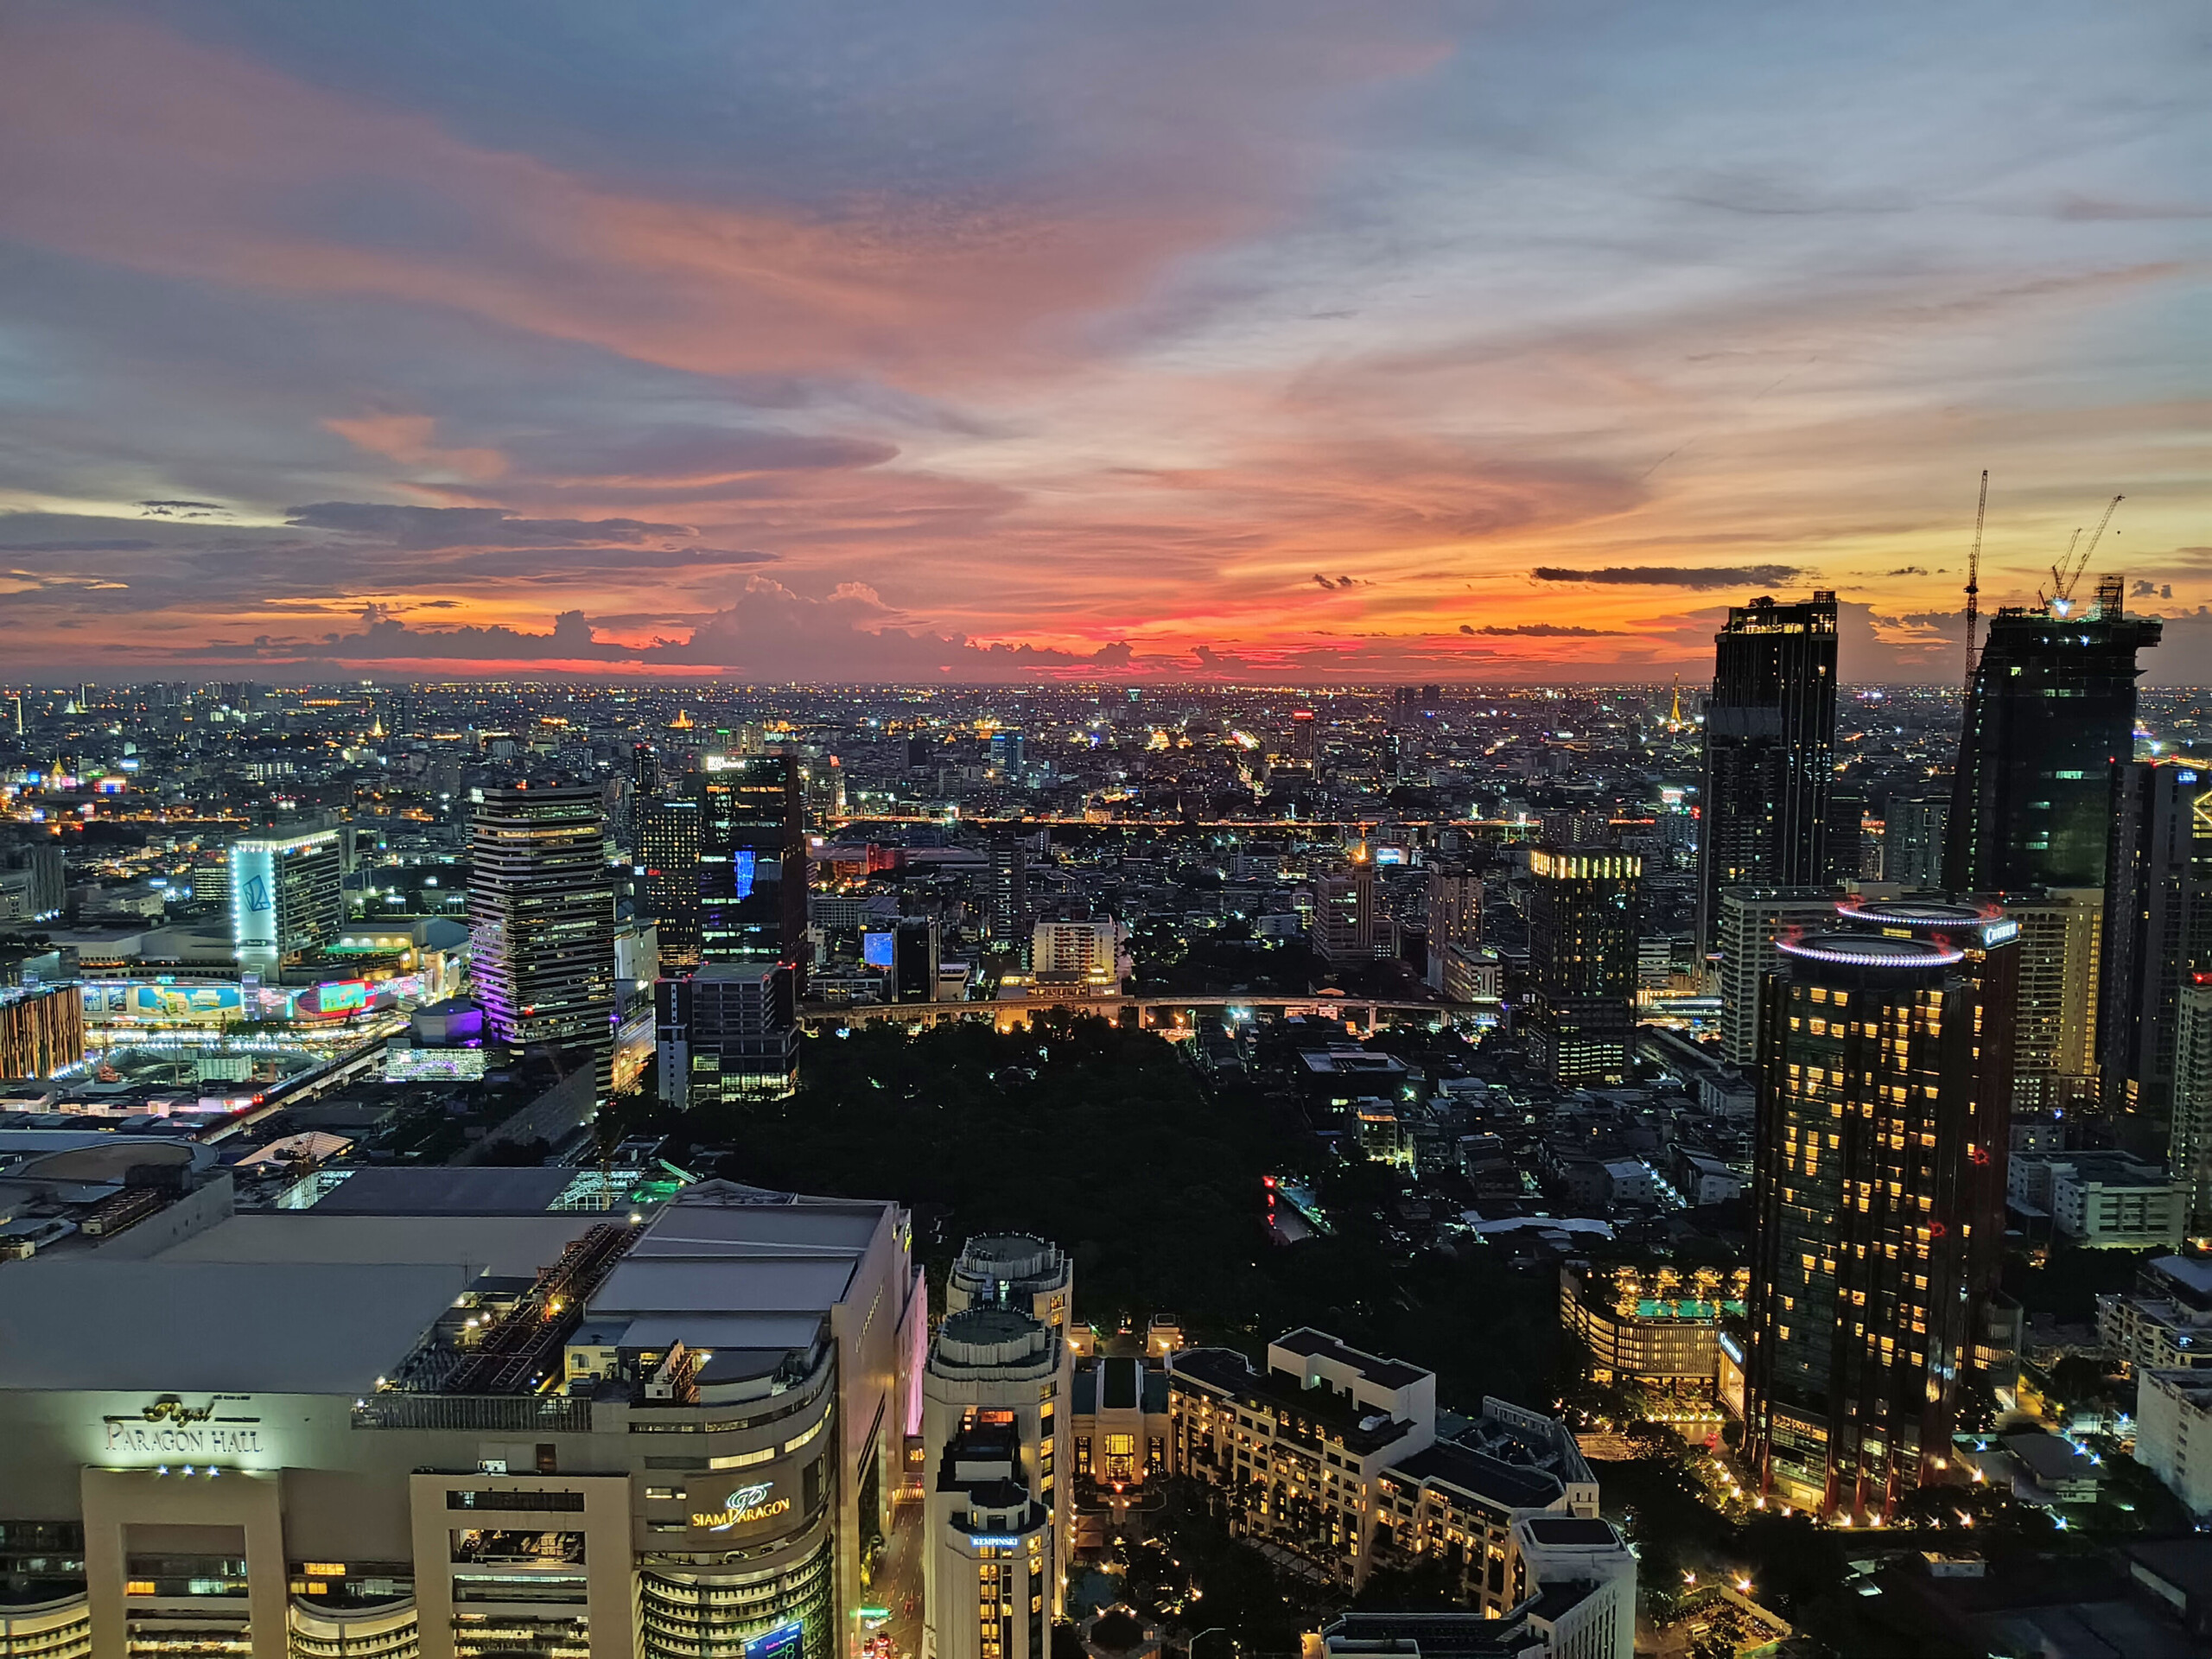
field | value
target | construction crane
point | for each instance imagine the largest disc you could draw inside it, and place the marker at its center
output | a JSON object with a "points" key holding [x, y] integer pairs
{"points": [[1974, 581], [2067, 571], [2052, 602]]}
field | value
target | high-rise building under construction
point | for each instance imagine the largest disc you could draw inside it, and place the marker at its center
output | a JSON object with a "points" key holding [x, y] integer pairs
{"points": [[2050, 712]]}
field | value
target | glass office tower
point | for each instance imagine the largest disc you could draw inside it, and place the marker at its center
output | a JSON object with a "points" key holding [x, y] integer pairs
{"points": [[1769, 751]]}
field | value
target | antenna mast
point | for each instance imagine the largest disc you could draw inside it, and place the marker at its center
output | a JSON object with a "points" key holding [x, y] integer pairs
{"points": [[1974, 581]]}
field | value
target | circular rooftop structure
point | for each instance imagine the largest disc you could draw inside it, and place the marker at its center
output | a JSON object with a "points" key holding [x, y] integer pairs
{"points": [[1930, 914], [1869, 951], [991, 1333], [992, 1264]]}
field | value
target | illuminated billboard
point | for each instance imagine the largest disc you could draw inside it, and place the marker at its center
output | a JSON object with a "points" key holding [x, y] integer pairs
{"points": [[784, 1641], [742, 864], [253, 897], [878, 950], [344, 996], [163, 1004]]}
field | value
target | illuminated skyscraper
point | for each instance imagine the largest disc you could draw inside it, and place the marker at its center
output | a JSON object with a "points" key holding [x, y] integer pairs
{"points": [[752, 862], [286, 898], [1877, 1205], [542, 908], [1585, 915], [667, 857], [2055, 1064], [1769, 753], [2051, 713]]}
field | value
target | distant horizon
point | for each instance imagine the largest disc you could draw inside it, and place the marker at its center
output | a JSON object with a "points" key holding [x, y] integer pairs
{"points": [[541, 678]]}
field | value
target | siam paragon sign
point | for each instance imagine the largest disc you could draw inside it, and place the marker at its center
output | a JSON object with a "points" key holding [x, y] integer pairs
{"points": [[741, 1508]]}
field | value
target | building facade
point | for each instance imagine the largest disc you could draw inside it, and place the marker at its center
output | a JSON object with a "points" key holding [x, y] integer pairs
{"points": [[1753, 921], [1912, 842], [446, 1434], [2166, 1322], [1080, 953], [666, 858], [42, 1029], [2158, 928], [541, 905], [726, 1031], [996, 1414], [1345, 915], [1455, 921], [2061, 932], [287, 898], [2050, 712], [1332, 1455], [1016, 1269], [2108, 1200], [2173, 1435], [1769, 751], [1008, 901], [2190, 1146], [752, 868], [1585, 914], [1872, 1214], [1657, 1329]]}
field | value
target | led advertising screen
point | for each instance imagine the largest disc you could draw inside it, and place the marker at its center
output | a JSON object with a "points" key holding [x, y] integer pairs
{"points": [[253, 897], [784, 1641], [347, 996], [877, 950], [742, 862]]}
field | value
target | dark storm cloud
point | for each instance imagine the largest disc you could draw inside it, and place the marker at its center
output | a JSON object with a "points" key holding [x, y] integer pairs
{"points": [[427, 529], [597, 561], [670, 455], [1546, 631], [770, 632]]}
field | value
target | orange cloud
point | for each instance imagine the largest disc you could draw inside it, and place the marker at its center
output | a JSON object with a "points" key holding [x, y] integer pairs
{"points": [[410, 439]]}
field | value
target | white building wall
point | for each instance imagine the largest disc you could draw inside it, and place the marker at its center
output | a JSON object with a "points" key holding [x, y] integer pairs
{"points": [[2173, 1434]]}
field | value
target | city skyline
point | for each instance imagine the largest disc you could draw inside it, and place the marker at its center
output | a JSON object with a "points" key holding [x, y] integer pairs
{"points": [[990, 346]]}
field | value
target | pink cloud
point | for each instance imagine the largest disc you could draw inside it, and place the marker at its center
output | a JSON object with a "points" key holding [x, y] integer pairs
{"points": [[121, 142]]}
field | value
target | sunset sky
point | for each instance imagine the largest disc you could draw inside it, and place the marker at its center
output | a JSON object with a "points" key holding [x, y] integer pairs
{"points": [[1222, 340]]}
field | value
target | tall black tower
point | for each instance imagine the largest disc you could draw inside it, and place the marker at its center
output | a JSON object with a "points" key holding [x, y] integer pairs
{"points": [[2158, 928], [1769, 751], [752, 862], [2051, 713]]}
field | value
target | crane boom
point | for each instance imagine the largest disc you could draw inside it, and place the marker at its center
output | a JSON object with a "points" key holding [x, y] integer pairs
{"points": [[1974, 581], [2111, 507], [2067, 570], [2058, 601]]}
